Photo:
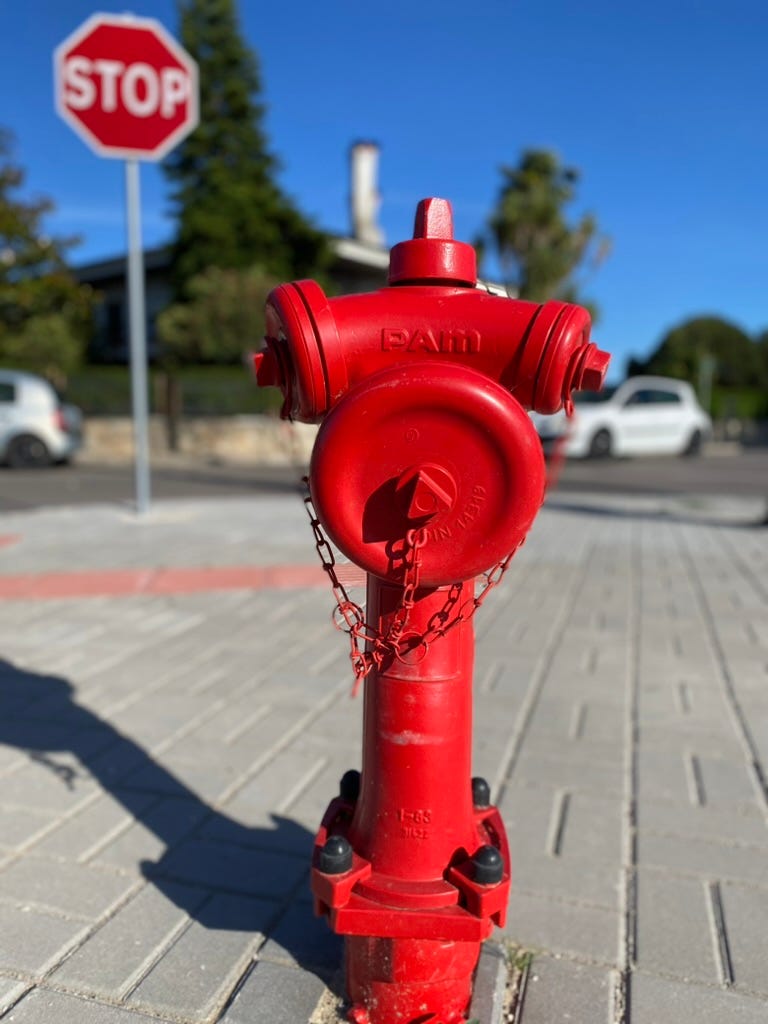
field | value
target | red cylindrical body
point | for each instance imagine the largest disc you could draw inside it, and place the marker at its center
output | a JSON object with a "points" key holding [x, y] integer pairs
{"points": [[413, 921], [415, 806]]}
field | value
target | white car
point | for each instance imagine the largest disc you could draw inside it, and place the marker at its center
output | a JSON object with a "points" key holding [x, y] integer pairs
{"points": [[36, 428], [643, 416]]}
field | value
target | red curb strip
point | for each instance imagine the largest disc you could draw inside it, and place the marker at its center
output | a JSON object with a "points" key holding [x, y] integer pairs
{"points": [[8, 539], [126, 582]]}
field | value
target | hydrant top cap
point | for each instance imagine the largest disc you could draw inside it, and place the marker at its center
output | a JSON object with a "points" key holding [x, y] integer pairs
{"points": [[432, 254]]}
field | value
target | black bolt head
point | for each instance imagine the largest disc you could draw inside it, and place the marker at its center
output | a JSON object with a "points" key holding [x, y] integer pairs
{"points": [[481, 792], [336, 856], [487, 866], [349, 786]]}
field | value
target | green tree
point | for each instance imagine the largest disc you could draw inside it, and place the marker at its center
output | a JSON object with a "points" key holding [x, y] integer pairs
{"points": [[231, 212], [680, 352], [222, 320], [762, 355], [539, 251], [45, 315]]}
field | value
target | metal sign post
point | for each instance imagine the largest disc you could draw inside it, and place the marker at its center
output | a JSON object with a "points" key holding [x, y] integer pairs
{"points": [[138, 337]]}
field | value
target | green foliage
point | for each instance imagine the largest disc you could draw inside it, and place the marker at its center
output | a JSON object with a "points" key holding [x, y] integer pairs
{"points": [[45, 315], [231, 213], [538, 250], [46, 345], [205, 391], [737, 362], [221, 321], [739, 403]]}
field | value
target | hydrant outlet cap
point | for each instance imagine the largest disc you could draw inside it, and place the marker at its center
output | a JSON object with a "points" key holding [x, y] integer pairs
{"points": [[432, 254]]}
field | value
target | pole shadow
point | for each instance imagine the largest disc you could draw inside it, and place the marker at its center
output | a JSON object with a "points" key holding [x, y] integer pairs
{"points": [[209, 857]]}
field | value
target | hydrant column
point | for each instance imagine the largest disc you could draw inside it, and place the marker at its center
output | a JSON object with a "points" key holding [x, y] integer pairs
{"points": [[414, 811]]}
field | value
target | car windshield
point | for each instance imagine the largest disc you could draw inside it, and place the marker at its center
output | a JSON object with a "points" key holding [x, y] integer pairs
{"points": [[591, 397]]}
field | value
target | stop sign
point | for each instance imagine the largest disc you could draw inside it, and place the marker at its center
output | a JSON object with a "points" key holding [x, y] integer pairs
{"points": [[126, 87]]}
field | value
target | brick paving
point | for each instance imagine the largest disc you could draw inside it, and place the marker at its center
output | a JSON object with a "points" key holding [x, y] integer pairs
{"points": [[166, 754]]}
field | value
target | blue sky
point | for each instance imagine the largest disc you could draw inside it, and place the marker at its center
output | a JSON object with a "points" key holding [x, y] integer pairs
{"points": [[661, 106]]}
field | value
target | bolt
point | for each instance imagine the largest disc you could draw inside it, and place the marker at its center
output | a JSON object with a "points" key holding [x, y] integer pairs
{"points": [[336, 856], [481, 792], [425, 491], [434, 219], [267, 369], [487, 866], [593, 372], [349, 786]]}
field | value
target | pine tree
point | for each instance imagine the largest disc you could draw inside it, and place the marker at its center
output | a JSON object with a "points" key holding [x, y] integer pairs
{"points": [[231, 212], [539, 251]]}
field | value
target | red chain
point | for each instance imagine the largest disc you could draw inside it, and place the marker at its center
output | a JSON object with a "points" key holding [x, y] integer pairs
{"points": [[349, 618]]}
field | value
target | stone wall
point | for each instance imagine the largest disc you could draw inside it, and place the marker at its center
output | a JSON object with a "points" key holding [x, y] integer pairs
{"points": [[252, 439]]}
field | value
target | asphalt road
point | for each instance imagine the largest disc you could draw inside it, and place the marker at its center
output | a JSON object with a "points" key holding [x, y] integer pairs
{"points": [[743, 474]]}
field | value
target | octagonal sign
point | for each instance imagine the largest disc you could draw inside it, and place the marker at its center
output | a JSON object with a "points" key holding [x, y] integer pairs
{"points": [[126, 87]]}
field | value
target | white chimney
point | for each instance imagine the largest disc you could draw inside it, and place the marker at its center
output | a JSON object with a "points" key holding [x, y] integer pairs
{"points": [[364, 193]]}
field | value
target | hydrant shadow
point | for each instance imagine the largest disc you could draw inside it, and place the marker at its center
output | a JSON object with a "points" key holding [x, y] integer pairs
{"points": [[222, 873]]}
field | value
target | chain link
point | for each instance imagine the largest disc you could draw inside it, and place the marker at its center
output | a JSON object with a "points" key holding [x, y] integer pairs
{"points": [[349, 618]]}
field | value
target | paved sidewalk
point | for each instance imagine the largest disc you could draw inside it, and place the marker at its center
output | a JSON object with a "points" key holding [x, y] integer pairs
{"points": [[167, 749]]}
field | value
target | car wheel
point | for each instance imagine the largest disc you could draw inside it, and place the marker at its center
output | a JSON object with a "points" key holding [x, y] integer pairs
{"points": [[601, 444], [27, 451], [694, 444]]}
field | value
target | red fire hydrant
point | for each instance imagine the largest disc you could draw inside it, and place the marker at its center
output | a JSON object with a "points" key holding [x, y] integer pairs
{"points": [[427, 473]]}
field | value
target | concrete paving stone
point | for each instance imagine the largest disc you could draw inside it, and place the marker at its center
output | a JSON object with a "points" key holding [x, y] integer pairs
{"points": [[124, 947], [31, 942], [578, 719], [300, 939], [560, 990], [746, 825], [156, 718], [228, 867], [207, 779], [536, 922], [564, 823], [560, 768], [674, 930], [112, 765], [727, 781], [18, 825], [275, 993], [281, 780], [197, 975], [655, 999], [665, 775], [745, 912], [78, 890], [489, 986], [91, 827], [50, 783], [688, 855], [11, 991], [584, 881], [43, 1006], [158, 827], [276, 833], [307, 809], [677, 698]]}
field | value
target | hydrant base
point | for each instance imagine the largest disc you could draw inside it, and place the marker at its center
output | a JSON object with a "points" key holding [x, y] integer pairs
{"points": [[409, 981]]}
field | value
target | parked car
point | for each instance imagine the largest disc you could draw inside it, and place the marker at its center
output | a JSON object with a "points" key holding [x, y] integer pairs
{"points": [[36, 427], [643, 416]]}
